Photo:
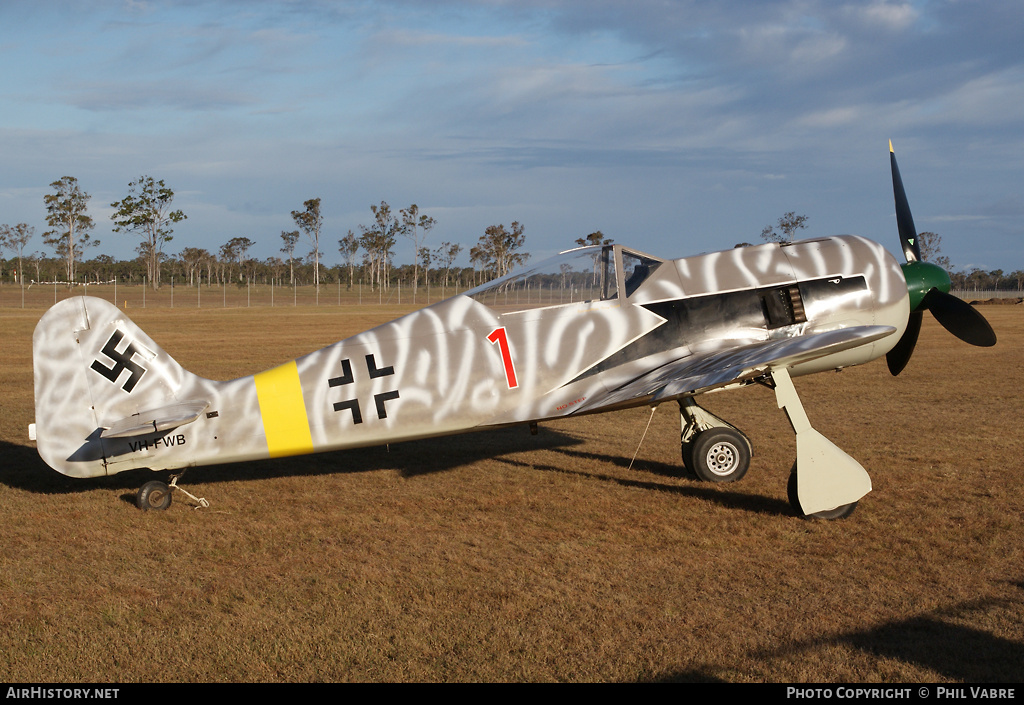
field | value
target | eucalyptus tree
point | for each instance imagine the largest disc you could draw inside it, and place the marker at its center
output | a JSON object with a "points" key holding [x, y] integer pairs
{"points": [[193, 258], [446, 254], [289, 239], [379, 241], [15, 238], [310, 221], [931, 249], [414, 223], [235, 250], [348, 246], [274, 265], [788, 225], [499, 248], [595, 238], [146, 211], [70, 226]]}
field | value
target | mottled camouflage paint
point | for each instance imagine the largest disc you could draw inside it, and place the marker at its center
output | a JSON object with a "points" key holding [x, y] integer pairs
{"points": [[441, 370]]}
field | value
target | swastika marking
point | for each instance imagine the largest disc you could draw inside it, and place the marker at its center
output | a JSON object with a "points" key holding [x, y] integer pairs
{"points": [[122, 361]]}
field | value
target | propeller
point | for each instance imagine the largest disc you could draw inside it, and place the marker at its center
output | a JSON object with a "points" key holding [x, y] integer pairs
{"points": [[904, 219], [928, 285]]}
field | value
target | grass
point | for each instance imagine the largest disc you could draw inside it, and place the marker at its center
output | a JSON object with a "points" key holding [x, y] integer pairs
{"points": [[501, 556]]}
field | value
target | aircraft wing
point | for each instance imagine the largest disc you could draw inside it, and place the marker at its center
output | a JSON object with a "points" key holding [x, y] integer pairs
{"points": [[702, 371]]}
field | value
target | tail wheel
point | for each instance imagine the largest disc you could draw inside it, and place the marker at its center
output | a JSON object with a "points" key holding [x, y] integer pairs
{"points": [[153, 495], [720, 455], [840, 512]]}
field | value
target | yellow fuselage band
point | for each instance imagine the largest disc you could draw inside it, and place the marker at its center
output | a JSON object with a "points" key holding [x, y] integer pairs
{"points": [[283, 410]]}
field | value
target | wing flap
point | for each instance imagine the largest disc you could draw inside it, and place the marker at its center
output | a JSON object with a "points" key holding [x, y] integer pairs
{"points": [[156, 420], [704, 371]]}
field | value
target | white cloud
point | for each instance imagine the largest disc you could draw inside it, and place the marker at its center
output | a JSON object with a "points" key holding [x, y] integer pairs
{"points": [[833, 117], [993, 98], [888, 16]]}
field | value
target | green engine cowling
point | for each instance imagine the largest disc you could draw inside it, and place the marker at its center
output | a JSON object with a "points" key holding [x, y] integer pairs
{"points": [[921, 278]]}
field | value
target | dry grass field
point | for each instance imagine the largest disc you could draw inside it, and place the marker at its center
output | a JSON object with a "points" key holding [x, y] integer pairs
{"points": [[501, 556]]}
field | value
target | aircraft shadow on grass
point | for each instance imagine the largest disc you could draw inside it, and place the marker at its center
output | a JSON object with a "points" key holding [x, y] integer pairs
{"points": [[715, 493], [932, 641], [25, 470]]}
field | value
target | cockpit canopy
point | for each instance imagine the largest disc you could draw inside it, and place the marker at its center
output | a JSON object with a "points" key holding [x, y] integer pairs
{"points": [[595, 273]]}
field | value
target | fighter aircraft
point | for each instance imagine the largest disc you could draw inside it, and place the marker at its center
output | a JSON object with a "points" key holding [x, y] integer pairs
{"points": [[594, 329]]}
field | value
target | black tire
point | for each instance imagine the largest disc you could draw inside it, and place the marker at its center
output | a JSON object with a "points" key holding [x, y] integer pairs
{"points": [[686, 448], [153, 495], [720, 455], [840, 512]]}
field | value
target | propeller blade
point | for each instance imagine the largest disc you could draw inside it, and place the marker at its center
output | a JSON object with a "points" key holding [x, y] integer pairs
{"points": [[904, 220], [899, 356], [959, 318]]}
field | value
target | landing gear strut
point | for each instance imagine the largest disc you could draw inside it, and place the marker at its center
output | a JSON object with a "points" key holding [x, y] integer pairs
{"points": [[713, 450], [157, 495], [825, 483]]}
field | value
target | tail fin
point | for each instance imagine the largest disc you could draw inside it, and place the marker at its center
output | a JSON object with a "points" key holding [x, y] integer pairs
{"points": [[98, 377]]}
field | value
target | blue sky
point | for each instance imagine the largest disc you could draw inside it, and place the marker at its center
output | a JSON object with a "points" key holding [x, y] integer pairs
{"points": [[674, 126]]}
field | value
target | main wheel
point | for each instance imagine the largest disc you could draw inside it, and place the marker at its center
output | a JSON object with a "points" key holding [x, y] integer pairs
{"points": [[686, 448], [720, 455], [840, 512], [153, 495]]}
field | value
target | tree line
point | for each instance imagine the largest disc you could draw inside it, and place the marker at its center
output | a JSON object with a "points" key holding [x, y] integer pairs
{"points": [[147, 212]]}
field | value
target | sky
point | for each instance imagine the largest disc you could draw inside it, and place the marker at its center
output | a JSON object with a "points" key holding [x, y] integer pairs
{"points": [[673, 126]]}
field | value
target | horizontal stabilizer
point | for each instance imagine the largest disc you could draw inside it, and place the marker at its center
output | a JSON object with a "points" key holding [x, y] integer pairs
{"points": [[156, 420]]}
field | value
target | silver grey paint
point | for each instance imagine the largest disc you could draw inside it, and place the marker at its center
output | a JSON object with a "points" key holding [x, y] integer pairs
{"points": [[449, 376]]}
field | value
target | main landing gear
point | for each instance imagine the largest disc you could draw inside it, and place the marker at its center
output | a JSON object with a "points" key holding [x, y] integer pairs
{"points": [[825, 482], [713, 450], [157, 495]]}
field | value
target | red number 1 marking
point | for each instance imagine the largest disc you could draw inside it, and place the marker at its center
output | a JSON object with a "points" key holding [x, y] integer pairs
{"points": [[498, 336]]}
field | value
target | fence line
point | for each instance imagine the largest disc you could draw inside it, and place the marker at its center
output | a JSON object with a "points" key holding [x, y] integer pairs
{"points": [[131, 297], [276, 295], [983, 294]]}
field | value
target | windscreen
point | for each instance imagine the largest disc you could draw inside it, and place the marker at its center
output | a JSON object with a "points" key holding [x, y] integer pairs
{"points": [[585, 274]]}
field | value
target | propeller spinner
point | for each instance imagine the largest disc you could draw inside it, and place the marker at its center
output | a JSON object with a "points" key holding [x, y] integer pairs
{"points": [[928, 285]]}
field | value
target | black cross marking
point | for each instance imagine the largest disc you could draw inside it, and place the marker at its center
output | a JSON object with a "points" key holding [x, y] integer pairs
{"points": [[122, 361], [352, 404], [371, 367], [348, 378], [379, 400]]}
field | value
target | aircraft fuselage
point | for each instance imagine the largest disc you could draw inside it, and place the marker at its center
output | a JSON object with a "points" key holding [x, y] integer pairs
{"points": [[523, 349]]}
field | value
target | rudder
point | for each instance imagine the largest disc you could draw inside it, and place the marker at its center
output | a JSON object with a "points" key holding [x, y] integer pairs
{"points": [[93, 369]]}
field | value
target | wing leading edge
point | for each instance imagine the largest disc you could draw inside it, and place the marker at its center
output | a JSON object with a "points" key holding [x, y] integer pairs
{"points": [[701, 372]]}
